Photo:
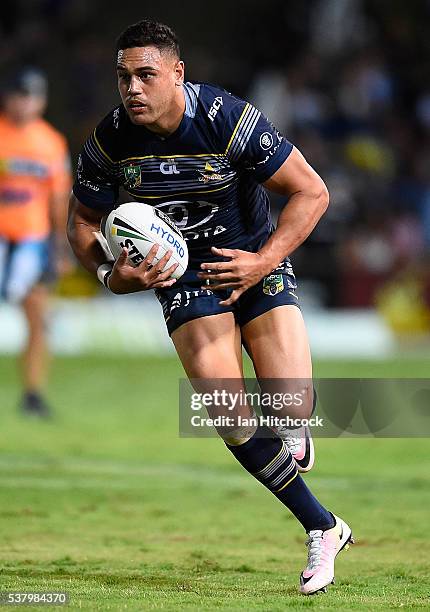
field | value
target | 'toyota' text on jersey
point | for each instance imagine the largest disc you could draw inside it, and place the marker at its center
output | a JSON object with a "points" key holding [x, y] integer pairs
{"points": [[206, 176]]}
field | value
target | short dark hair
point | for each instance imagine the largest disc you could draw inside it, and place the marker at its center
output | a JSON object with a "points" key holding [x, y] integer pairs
{"points": [[149, 33]]}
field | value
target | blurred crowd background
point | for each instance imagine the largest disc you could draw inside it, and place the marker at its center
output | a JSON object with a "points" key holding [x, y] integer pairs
{"points": [[347, 81]]}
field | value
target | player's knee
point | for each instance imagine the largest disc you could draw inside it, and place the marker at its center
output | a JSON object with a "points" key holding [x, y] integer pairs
{"points": [[238, 436], [306, 401], [295, 401]]}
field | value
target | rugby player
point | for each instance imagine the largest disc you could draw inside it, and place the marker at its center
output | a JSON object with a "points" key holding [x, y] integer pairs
{"points": [[35, 184], [205, 157]]}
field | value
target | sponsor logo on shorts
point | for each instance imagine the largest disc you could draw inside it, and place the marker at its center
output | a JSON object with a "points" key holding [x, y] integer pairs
{"points": [[133, 175], [176, 302], [273, 284], [187, 296]]}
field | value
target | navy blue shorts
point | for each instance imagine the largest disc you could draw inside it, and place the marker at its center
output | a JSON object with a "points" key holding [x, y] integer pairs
{"points": [[185, 300]]}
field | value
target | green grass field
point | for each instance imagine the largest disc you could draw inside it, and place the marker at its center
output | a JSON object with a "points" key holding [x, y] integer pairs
{"points": [[108, 503]]}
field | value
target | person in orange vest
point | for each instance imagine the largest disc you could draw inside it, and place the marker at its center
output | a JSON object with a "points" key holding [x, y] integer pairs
{"points": [[35, 183]]}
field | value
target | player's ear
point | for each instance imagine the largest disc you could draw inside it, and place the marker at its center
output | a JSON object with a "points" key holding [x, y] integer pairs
{"points": [[179, 73]]}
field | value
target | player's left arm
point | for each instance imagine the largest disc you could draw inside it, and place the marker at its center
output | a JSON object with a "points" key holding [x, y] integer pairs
{"points": [[308, 200]]}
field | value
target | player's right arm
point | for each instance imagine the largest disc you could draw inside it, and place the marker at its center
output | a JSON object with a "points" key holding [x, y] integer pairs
{"points": [[83, 223], [95, 194]]}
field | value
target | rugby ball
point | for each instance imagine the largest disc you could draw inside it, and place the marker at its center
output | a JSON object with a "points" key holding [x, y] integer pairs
{"points": [[137, 227]]}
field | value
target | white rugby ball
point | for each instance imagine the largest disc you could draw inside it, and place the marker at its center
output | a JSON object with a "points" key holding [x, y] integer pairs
{"points": [[137, 227]]}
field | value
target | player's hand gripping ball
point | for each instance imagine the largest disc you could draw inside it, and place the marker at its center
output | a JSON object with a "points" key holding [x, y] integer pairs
{"points": [[138, 227]]}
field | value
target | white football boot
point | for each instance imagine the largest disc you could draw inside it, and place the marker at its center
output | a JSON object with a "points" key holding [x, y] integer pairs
{"points": [[323, 547]]}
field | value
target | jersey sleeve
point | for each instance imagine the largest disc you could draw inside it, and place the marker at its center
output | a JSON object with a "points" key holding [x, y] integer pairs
{"points": [[253, 143], [96, 184]]}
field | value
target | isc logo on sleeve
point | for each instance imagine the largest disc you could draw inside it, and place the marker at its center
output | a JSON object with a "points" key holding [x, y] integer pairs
{"points": [[216, 105]]}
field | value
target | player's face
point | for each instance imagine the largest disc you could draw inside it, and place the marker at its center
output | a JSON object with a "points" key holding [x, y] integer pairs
{"points": [[147, 82], [22, 108]]}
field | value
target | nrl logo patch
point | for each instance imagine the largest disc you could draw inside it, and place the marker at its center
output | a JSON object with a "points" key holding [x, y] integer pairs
{"points": [[273, 284], [133, 176]]}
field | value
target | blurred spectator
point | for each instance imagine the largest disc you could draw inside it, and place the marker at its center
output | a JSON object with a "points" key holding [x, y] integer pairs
{"points": [[34, 188]]}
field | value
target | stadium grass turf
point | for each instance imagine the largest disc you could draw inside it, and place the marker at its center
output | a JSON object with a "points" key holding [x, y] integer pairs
{"points": [[108, 503]]}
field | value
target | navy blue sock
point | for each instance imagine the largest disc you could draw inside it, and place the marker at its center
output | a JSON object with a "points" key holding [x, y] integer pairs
{"points": [[269, 460]]}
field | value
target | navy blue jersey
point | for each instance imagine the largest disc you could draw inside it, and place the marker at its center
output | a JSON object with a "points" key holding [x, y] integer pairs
{"points": [[206, 176]]}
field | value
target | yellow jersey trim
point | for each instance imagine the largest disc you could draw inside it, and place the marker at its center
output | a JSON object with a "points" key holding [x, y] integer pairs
{"points": [[247, 105], [170, 156], [171, 195], [126, 159], [101, 148]]}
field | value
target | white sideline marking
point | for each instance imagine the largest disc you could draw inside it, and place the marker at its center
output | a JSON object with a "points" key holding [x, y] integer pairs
{"points": [[81, 472]]}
